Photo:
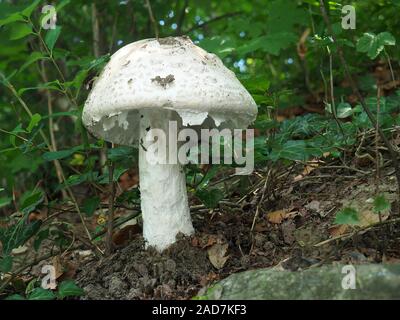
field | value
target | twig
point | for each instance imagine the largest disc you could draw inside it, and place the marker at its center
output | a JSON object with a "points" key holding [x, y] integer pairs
{"points": [[333, 104], [390, 67], [96, 31], [109, 242], [117, 224], [202, 25], [47, 143], [261, 200], [356, 91], [53, 141], [181, 18], [152, 19], [351, 234]]}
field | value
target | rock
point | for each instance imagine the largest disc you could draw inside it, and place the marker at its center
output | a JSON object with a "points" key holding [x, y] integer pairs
{"points": [[372, 281]]}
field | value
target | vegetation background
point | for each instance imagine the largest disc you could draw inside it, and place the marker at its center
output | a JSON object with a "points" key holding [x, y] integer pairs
{"points": [[320, 89]]}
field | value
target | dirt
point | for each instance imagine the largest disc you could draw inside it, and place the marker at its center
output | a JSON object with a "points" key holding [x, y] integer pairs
{"points": [[294, 243]]}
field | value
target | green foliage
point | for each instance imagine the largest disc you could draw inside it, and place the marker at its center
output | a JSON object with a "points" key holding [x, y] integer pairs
{"points": [[261, 41], [66, 289], [69, 288], [374, 44], [90, 205], [381, 204], [347, 216], [51, 37]]}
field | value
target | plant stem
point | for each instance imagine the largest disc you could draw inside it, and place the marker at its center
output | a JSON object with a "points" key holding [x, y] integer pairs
{"points": [[152, 19], [356, 91], [110, 220]]}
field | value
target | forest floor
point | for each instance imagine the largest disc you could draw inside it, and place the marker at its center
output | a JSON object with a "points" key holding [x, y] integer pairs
{"points": [[286, 222]]}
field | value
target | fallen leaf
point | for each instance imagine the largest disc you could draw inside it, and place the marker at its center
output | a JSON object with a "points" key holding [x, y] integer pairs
{"points": [[217, 255], [338, 230], [58, 266], [276, 216], [279, 215], [310, 167], [19, 250], [367, 217]]}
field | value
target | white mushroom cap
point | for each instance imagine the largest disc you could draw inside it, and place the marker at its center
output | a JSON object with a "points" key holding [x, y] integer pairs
{"points": [[169, 73]]}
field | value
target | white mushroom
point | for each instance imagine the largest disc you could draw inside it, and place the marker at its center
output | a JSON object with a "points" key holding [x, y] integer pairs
{"points": [[145, 85]]}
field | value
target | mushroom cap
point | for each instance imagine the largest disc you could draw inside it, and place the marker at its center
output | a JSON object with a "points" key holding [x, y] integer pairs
{"points": [[165, 74]]}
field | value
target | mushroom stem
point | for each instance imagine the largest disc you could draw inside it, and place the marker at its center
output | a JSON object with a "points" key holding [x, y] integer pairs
{"points": [[164, 201]]}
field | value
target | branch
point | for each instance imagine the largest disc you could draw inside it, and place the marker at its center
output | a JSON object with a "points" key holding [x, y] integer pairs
{"points": [[227, 15], [152, 19], [182, 18], [53, 141], [96, 31]]}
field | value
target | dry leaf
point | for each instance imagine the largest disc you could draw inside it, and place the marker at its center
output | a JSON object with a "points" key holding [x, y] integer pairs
{"points": [[368, 217], [279, 215], [58, 266], [217, 255], [276, 216], [19, 250], [338, 230]]}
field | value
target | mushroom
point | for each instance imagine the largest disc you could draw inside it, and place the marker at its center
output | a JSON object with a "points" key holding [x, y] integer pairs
{"points": [[144, 86]]}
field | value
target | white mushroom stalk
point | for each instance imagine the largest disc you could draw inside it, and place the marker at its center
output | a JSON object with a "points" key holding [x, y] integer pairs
{"points": [[143, 86], [164, 201]]}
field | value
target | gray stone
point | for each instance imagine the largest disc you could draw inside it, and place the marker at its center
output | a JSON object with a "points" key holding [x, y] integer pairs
{"points": [[372, 281]]}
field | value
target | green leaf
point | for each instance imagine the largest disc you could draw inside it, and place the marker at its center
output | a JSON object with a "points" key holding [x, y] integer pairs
{"points": [[57, 155], [15, 297], [41, 294], [41, 235], [20, 30], [272, 43], [343, 110], [386, 39], [68, 288], [210, 197], [104, 178], [5, 201], [90, 205], [120, 153], [381, 204], [284, 15], [53, 85], [62, 4], [15, 17], [347, 216], [35, 56], [30, 201], [51, 37], [290, 150], [374, 44], [16, 235], [35, 119], [28, 10], [6, 264]]}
